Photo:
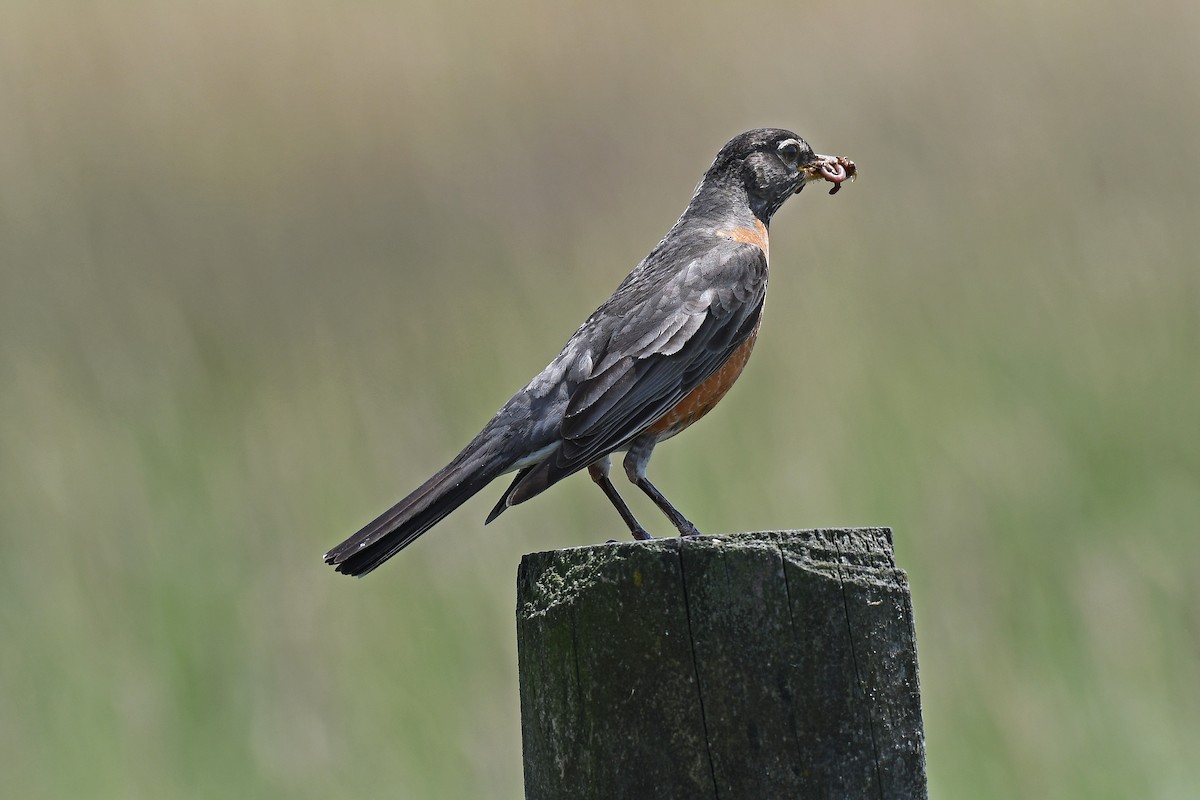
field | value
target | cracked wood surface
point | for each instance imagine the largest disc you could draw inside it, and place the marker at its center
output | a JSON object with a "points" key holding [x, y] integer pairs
{"points": [[776, 664]]}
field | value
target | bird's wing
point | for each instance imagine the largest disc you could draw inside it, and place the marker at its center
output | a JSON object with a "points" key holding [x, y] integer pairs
{"points": [[658, 348]]}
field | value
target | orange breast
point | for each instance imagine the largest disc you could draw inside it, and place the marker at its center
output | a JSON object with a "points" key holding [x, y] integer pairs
{"points": [[704, 397], [756, 236]]}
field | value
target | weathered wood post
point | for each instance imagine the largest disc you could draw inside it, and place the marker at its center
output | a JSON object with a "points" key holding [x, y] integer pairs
{"points": [[758, 665]]}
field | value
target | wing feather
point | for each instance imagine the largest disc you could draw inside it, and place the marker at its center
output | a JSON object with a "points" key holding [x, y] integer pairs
{"points": [[656, 353]]}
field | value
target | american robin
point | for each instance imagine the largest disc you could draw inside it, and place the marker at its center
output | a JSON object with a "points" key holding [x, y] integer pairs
{"points": [[650, 361]]}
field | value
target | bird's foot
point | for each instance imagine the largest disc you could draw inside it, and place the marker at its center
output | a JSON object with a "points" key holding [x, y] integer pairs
{"points": [[689, 530], [639, 533]]}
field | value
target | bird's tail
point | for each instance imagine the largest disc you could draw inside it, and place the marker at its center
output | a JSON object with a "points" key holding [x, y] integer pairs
{"points": [[400, 525]]}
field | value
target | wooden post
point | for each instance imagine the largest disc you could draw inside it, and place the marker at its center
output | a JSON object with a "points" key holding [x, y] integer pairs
{"points": [[758, 665]]}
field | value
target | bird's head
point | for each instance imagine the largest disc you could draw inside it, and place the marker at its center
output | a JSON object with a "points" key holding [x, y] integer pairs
{"points": [[772, 164]]}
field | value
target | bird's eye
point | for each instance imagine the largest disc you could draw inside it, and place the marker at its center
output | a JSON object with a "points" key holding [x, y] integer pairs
{"points": [[789, 151]]}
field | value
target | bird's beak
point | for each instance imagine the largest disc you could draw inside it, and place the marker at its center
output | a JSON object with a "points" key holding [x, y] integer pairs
{"points": [[834, 169]]}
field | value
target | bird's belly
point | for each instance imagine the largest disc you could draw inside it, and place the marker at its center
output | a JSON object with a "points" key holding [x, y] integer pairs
{"points": [[704, 397]]}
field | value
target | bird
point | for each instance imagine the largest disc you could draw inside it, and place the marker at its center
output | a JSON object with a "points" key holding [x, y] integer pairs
{"points": [[654, 358]]}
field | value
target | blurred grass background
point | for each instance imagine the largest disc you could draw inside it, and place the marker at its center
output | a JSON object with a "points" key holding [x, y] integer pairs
{"points": [[265, 265]]}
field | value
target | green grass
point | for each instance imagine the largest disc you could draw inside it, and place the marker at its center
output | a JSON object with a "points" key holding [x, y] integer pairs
{"points": [[265, 266]]}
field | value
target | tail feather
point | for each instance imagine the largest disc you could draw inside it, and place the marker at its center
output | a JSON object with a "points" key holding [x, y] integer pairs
{"points": [[428, 505], [529, 482], [502, 504]]}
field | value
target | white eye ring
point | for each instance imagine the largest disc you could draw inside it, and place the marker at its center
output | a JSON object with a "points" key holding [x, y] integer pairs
{"points": [[789, 151]]}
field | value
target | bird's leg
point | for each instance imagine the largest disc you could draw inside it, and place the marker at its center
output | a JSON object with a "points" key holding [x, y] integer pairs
{"points": [[635, 467], [599, 472]]}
